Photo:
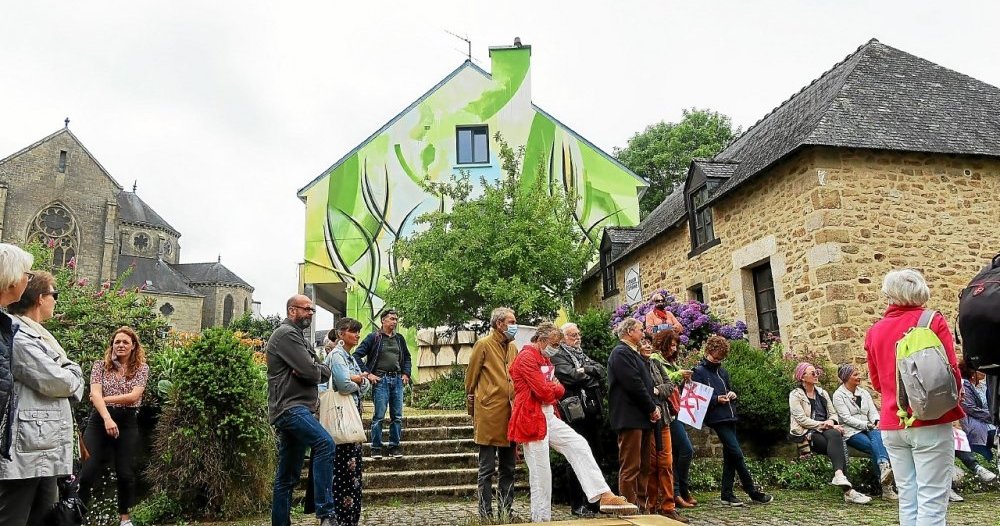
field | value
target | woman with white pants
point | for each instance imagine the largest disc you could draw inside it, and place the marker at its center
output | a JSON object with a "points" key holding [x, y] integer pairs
{"points": [[922, 454], [534, 424]]}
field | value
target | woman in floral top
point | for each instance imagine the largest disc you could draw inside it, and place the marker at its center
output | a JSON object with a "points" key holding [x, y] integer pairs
{"points": [[346, 378], [116, 386]]}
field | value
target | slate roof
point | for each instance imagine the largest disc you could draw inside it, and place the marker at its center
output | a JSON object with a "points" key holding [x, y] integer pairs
{"points": [[880, 98], [621, 234], [664, 216], [716, 169], [199, 273], [132, 209], [163, 278]]}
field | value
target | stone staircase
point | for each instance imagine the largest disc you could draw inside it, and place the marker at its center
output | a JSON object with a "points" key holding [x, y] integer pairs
{"points": [[440, 462]]}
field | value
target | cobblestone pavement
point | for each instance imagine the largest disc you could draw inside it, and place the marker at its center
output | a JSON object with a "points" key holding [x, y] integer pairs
{"points": [[790, 508]]}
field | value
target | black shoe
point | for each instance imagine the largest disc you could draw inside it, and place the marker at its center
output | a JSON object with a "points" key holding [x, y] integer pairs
{"points": [[583, 511], [761, 498], [731, 501], [329, 521], [395, 452], [376, 453]]}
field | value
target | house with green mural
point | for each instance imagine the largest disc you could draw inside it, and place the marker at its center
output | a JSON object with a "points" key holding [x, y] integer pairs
{"points": [[357, 208]]}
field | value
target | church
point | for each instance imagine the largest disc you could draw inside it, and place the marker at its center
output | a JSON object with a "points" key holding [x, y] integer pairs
{"points": [[55, 191]]}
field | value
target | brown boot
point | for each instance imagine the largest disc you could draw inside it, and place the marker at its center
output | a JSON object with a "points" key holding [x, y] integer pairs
{"points": [[672, 514], [682, 503]]}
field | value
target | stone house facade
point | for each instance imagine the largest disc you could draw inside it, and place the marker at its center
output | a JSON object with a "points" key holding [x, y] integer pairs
{"points": [[55, 191], [885, 161]]}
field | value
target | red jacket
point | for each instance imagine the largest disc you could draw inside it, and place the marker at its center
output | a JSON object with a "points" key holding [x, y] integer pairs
{"points": [[880, 347], [531, 392]]}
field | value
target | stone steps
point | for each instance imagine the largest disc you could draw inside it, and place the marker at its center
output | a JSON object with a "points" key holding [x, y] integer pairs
{"points": [[426, 433], [424, 477], [441, 493], [423, 462], [429, 447]]}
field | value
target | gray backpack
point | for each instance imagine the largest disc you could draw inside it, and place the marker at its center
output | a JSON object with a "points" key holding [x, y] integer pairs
{"points": [[926, 388]]}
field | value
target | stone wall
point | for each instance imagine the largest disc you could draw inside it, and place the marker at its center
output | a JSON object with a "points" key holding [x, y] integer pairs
{"points": [[185, 311], [831, 223], [215, 298], [150, 246], [34, 182]]}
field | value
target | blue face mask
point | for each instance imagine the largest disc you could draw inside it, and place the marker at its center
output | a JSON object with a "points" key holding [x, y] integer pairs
{"points": [[511, 332], [550, 351]]}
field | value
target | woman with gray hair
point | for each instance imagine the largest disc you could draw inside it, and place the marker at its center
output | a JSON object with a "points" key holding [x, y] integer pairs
{"points": [[46, 381], [15, 272], [923, 454]]}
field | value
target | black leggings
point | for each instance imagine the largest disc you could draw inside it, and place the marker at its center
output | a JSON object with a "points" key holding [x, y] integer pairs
{"points": [[104, 448], [831, 443]]}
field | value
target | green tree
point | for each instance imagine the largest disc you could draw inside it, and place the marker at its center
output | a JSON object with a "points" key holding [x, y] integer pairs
{"points": [[510, 243], [663, 151], [259, 329]]}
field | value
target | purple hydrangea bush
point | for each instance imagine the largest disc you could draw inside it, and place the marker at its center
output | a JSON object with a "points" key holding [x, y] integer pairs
{"points": [[696, 317]]}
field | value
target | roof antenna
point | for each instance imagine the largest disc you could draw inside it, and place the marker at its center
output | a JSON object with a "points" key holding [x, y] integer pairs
{"points": [[467, 42], [66, 123], [135, 184]]}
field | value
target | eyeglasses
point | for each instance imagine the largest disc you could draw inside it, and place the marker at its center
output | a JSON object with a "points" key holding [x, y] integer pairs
{"points": [[54, 294], [310, 308], [30, 274]]}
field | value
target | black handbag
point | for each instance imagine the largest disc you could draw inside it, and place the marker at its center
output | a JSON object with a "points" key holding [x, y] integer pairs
{"points": [[571, 408], [70, 510]]}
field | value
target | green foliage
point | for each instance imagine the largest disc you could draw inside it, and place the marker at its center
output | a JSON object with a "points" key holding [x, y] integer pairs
{"points": [[596, 339], [813, 473], [87, 313], [213, 447], [662, 153], [157, 509], [762, 381], [514, 244], [443, 392], [258, 329]]}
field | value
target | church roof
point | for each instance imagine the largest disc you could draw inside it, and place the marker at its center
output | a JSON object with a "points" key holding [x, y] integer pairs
{"points": [[155, 276], [879, 98], [132, 209], [210, 273]]}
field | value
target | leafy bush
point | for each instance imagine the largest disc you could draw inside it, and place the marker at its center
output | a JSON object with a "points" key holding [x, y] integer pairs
{"points": [[214, 450], [157, 509], [443, 392], [596, 339], [257, 329], [698, 320], [762, 381]]}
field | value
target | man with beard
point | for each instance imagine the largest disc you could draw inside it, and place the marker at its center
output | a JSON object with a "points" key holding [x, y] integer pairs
{"points": [[293, 371]]}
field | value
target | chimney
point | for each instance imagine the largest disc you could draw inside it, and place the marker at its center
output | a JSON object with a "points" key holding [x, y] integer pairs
{"points": [[510, 67]]}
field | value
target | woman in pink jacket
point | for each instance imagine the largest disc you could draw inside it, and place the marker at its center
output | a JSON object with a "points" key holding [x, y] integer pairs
{"points": [[923, 454]]}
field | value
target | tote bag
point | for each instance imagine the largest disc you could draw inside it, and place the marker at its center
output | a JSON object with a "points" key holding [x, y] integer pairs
{"points": [[340, 417]]}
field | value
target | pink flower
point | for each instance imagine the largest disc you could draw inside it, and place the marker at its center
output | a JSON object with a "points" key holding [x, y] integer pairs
{"points": [[51, 243], [121, 293], [101, 293], [71, 263], [82, 282], [106, 285]]}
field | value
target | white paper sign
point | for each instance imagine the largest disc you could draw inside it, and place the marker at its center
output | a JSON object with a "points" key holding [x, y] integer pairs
{"points": [[694, 403], [961, 440], [633, 285]]}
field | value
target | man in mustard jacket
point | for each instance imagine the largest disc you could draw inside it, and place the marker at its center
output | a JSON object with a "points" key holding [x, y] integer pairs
{"points": [[490, 394]]}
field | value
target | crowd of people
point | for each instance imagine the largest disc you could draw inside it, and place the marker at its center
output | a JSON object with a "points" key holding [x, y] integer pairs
{"points": [[548, 395]]}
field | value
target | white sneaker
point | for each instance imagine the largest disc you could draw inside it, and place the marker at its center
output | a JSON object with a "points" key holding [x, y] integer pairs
{"points": [[126, 523], [985, 475], [855, 497], [885, 473], [840, 480], [889, 493], [954, 497]]}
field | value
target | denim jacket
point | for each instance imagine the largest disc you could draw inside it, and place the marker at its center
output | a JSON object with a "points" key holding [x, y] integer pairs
{"points": [[342, 366]]}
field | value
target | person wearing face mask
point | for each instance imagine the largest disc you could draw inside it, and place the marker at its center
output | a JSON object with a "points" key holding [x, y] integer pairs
{"points": [[660, 319], [293, 371], [489, 394], [533, 423], [584, 379]]}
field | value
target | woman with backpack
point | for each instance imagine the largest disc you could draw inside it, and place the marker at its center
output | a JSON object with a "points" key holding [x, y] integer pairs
{"points": [[922, 452]]}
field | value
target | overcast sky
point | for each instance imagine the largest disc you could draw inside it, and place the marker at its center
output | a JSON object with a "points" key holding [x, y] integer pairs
{"points": [[222, 110]]}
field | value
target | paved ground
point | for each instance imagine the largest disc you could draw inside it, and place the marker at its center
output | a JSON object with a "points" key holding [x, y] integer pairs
{"points": [[790, 508]]}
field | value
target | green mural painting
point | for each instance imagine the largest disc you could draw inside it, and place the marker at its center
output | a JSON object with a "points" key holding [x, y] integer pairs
{"points": [[357, 209]]}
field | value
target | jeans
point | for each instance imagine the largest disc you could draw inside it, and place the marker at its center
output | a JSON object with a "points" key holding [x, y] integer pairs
{"points": [[922, 459], [683, 453], [388, 393], [505, 486], [121, 450], [733, 462], [298, 430], [870, 442]]}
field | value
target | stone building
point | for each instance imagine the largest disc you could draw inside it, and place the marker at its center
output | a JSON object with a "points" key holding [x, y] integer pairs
{"points": [[887, 160], [56, 191]]}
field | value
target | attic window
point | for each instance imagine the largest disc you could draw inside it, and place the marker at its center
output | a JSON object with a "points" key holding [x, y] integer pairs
{"points": [[472, 144], [608, 271], [62, 161]]}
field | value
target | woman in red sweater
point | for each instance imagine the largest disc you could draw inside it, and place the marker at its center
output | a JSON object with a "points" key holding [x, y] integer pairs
{"points": [[922, 455], [534, 424]]}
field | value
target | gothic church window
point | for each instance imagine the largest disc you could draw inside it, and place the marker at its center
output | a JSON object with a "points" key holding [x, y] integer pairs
{"points": [[55, 227], [140, 241], [166, 309]]}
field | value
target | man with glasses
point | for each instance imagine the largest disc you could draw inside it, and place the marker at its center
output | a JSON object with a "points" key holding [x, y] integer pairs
{"points": [[385, 359], [293, 371]]}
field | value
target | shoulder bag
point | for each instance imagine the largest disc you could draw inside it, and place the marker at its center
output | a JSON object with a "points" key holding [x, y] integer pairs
{"points": [[339, 416]]}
